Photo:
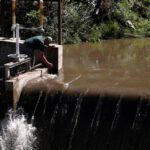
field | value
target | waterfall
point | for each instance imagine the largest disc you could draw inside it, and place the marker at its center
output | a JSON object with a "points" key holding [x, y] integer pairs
{"points": [[16, 133]]}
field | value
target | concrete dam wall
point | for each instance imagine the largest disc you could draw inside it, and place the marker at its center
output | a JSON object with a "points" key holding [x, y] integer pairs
{"points": [[71, 119]]}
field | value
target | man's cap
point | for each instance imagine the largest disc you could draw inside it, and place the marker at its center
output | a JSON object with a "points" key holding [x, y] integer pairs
{"points": [[49, 38]]}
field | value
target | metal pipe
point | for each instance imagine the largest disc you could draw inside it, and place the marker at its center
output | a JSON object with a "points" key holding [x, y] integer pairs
{"points": [[17, 40], [41, 13], [13, 16]]}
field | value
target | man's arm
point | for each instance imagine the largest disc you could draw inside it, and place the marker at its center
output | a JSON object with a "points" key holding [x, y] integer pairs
{"points": [[43, 59]]}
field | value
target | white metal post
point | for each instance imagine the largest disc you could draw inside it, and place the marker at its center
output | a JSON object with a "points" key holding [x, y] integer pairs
{"points": [[17, 40], [13, 17], [41, 14]]}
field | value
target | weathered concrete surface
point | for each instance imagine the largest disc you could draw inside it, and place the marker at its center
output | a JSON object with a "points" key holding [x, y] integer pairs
{"points": [[54, 54], [15, 85]]}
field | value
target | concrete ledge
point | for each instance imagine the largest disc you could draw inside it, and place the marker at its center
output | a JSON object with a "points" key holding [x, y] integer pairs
{"points": [[8, 66], [14, 86], [4, 39]]}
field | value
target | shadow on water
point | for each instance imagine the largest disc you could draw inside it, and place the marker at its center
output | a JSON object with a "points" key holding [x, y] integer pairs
{"points": [[107, 107]]}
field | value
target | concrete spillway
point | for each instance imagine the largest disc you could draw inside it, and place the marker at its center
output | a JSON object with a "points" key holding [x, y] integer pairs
{"points": [[73, 119]]}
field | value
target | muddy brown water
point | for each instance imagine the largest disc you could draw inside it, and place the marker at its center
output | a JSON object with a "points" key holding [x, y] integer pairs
{"points": [[115, 64]]}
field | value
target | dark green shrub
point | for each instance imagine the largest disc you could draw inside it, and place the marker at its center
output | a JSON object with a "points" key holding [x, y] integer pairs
{"points": [[95, 34], [110, 29]]}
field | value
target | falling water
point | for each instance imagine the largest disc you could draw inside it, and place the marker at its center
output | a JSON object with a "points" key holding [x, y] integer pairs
{"points": [[95, 123], [114, 122], [140, 115], [76, 117], [37, 104], [16, 133], [45, 99], [116, 116]]}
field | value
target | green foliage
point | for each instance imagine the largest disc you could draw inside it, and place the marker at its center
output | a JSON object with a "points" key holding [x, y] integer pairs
{"points": [[95, 34], [136, 13], [32, 18], [110, 29], [79, 21], [123, 11], [106, 30], [143, 27], [141, 9], [146, 2]]}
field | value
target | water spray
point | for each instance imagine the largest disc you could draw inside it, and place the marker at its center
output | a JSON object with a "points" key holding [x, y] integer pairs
{"points": [[16, 133], [75, 79]]}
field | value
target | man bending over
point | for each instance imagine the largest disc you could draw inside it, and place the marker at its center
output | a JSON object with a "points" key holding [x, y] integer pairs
{"points": [[36, 47]]}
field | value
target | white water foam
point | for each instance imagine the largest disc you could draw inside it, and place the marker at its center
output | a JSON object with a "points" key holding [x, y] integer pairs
{"points": [[16, 133]]}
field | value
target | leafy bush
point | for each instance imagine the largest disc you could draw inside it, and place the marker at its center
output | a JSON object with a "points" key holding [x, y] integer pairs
{"points": [[79, 20], [95, 34], [110, 29]]}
